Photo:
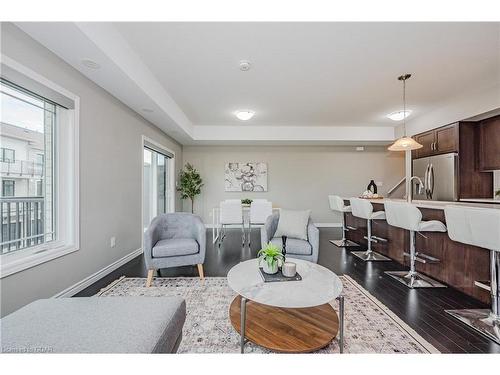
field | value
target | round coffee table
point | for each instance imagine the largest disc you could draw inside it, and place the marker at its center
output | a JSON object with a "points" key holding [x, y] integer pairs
{"points": [[287, 316]]}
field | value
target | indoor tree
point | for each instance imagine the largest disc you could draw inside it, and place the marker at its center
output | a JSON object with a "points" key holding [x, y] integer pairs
{"points": [[190, 183]]}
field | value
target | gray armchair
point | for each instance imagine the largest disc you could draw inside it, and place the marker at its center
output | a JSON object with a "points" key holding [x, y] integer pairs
{"points": [[174, 240], [295, 248]]}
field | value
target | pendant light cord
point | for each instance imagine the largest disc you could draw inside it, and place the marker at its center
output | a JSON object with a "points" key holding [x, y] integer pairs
{"points": [[404, 107]]}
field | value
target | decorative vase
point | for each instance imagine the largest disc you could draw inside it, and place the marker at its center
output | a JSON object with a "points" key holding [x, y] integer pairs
{"points": [[372, 187], [270, 270]]}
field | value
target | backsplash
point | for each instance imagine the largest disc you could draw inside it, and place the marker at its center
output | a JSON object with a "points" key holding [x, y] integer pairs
{"points": [[496, 182]]}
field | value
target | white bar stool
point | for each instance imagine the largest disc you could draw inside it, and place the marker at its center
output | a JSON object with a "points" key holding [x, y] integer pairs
{"points": [[406, 216], [337, 204], [479, 227], [364, 209]]}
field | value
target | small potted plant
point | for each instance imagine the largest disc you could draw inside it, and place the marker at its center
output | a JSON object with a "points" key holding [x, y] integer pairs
{"points": [[270, 257], [246, 201]]}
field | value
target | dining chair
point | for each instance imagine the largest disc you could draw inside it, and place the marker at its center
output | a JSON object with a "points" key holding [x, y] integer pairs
{"points": [[260, 210], [231, 213]]}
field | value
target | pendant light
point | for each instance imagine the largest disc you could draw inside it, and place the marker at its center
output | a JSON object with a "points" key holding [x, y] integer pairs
{"points": [[404, 143]]}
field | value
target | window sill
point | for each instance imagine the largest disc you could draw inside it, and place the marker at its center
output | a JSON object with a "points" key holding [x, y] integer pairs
{"points": [[24, 259]]}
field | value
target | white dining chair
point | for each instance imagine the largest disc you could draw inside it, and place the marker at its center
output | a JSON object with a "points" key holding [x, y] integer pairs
{"points": [[260, 210], [231, 213]]}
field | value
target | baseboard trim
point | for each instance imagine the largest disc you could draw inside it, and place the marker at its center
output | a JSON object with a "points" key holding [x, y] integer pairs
{"points": [[319, 225], [82, 284]]}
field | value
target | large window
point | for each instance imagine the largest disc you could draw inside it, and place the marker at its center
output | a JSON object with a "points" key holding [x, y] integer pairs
{"points": [[38, 169], [28, 127], [157, 182]]}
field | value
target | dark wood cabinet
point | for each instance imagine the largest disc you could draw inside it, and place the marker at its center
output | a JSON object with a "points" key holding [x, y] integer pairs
{"points": [[489, 144], [427, 141], [437, 141]]}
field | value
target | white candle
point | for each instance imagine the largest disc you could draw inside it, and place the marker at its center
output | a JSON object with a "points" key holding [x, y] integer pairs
{"points": [[289, 269]]}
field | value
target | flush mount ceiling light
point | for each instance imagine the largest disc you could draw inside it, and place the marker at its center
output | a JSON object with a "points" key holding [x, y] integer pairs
{"points": [[399, 115], [404, 143], [90, 64], [244, 115]]}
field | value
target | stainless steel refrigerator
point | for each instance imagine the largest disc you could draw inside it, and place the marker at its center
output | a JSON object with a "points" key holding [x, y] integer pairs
{"points": [[439, 175]]}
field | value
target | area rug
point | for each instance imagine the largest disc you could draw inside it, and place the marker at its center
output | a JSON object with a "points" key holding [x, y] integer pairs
{"points": [[370, 327]]}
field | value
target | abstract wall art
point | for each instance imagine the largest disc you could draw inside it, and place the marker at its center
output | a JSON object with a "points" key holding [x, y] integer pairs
{"points": [[245, 177]]}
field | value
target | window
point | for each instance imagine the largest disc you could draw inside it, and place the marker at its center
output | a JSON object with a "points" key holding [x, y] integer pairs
{"points": [[8, 155], [39, 203], [8, 188], [158, 192]]}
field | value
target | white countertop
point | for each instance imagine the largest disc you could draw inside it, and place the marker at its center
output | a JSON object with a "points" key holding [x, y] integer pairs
{"points": [[437, 205]]}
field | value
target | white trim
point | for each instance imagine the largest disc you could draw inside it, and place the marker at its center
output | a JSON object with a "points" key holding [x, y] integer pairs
{"points": [[82, 284], [68, 237], [145, 139], [319, 225]]}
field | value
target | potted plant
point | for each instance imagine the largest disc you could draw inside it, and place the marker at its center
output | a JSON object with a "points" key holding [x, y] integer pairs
{"points": [[270, 257], [190, 184], [246, 201]]}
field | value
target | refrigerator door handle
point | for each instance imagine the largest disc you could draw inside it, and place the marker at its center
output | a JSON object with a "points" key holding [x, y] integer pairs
{"points": [[431, 180], [426, 182]]}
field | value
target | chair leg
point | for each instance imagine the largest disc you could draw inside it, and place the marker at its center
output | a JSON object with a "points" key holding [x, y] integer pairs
{"points": [[200, 271], [150, 278]]}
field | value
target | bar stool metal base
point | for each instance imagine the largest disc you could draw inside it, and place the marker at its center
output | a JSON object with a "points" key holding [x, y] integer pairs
{"points": [[370, 256], [415, 280], [481, 320], [344, 243]]}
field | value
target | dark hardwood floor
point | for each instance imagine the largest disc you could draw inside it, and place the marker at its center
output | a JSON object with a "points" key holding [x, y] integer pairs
{"points": [[422, 309]]}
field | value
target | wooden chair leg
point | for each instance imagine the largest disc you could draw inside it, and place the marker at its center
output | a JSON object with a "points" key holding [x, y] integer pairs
{"points": [[200, 271], [150, 278]]}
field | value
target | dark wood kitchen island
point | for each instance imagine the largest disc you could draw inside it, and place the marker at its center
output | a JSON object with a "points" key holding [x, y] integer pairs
{"points": [[460, 265]]}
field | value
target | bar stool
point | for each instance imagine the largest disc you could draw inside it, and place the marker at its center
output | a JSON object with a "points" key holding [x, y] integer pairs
{"points": [[479, 227], [337, 204], [364, 209], [407, 216]]}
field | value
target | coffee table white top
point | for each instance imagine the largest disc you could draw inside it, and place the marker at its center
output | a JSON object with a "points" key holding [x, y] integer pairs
{"points": [[318, 286]]}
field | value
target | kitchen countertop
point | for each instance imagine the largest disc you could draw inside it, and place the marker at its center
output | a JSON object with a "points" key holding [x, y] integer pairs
{"points": [[436, 205], [481, 200]]}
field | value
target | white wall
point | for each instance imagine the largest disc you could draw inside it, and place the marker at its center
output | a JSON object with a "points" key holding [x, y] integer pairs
{"points": [[110, 177], [299, 177], [461, 107]]}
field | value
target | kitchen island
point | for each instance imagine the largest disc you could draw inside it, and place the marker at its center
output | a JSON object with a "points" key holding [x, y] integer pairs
{"points": [[459, 266]]}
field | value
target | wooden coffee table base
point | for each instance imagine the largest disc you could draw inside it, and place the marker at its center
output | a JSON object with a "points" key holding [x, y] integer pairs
{"points": [[287, 330]]}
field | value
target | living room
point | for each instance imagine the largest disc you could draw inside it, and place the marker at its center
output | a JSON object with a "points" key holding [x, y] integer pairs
{"points": [[255, 187]]}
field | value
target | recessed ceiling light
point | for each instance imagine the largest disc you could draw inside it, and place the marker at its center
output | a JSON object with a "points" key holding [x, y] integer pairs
{"points": [[147, 110], [90, 64], [244, 115], [399, 115]]}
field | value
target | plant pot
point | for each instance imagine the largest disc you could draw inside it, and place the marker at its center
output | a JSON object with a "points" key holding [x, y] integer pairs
{"points": [[270, 270]]}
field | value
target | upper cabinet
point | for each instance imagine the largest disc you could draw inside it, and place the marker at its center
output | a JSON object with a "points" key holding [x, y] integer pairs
{"points": [[489, 144], [437, 141]]}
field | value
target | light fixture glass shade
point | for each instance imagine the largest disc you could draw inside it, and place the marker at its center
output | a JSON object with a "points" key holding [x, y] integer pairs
{"points": [[399, 115], [244, 115], [404, 144]]}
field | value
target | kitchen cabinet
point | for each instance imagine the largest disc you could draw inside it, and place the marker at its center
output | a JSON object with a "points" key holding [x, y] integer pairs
{"points": [[437, 141], [489, 144]]}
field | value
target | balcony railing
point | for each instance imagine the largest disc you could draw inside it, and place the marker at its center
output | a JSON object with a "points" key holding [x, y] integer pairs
{"points": [[23, 223], [20, 168]]}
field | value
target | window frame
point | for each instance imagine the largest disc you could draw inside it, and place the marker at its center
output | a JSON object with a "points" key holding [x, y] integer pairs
{"points": [[13, 187], [67, 174], [13, 160]]}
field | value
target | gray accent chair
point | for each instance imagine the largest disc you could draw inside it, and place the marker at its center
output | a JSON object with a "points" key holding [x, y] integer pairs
{"points": [[95, 325], [173, 240], [295, 248]]}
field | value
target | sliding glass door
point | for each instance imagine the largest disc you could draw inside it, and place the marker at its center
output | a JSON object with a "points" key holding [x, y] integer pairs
{"points": [[157, 190]]}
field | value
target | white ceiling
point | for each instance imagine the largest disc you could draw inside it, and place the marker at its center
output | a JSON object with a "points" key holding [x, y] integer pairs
{"points": [[305, 77]]}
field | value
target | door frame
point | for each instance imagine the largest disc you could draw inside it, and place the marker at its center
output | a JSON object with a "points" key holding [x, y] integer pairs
{"points": [[171, 172]]}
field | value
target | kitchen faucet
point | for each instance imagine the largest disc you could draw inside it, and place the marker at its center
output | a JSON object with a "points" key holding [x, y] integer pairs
{"points": [[410, 190]]}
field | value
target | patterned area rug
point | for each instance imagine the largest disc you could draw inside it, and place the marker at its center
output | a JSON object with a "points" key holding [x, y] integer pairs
{"points": [[370, 327]]}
